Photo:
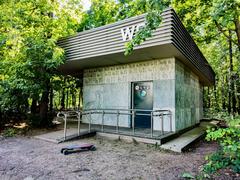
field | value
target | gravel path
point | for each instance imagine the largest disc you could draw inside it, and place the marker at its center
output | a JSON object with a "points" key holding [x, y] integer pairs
{"points": [[29, 158]]}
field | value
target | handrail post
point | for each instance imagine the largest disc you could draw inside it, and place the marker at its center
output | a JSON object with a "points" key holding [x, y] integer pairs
{"points": [[162, 124], [117, 128], [90, 120], [65, 126], [170, 114], [103, 120], [133, 123], [79, 123], [151, 124]]}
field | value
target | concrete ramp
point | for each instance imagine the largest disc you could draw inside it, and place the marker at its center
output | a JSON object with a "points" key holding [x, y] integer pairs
{"points": [[185, 140], [58, 137], [182, 142]]}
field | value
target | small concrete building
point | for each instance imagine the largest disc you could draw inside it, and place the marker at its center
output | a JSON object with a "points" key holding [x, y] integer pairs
{"points": [[166, 72]]}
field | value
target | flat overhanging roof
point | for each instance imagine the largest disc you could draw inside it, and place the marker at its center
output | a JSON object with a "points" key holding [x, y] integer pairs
{"points": [[104, 46]]}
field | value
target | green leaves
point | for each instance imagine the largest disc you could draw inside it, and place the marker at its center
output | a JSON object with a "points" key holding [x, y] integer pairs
{"points": [[228, 154], [153, 20], [29, 54], [188, 176]]}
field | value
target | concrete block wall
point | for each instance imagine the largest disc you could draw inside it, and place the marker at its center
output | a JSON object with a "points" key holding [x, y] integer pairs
{"points": [[110, 87], [175, 88]]}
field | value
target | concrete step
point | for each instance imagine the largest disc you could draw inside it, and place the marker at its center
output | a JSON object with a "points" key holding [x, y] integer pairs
{"points": [[182, 142], [185, 140]]}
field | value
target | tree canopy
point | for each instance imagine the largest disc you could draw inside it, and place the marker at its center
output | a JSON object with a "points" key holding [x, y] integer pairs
{"points": [[29, 31]]}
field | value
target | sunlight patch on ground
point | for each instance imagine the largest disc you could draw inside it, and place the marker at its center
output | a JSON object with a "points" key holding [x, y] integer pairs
{"points": [[21, 125]]}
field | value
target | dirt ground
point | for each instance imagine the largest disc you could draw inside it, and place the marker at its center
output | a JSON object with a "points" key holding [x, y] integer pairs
{"points": [[29, 158]]}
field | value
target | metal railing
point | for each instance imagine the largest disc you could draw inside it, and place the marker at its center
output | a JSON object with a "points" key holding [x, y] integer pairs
{"points": [[118, 112]]}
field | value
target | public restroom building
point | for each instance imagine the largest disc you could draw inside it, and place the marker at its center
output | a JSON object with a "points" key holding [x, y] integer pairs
{"points": [[166, 72]]}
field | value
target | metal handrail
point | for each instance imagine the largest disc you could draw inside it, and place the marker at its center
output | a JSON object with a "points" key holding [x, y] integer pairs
{"points": [[118, 112]]}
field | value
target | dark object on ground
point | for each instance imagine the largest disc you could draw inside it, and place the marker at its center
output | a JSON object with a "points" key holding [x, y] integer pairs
{"points": [[77, 148], [222, 124]]}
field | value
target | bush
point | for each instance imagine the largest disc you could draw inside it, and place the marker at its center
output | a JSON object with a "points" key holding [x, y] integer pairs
{"points": [[229, 153], [9, 132]]}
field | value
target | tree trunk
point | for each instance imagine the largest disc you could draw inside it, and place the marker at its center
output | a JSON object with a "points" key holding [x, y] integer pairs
{"points": [[223, 94], [237, 30], [238, 93], [215, 97], [63, 96], [51, 100], [73, 100], [229, 97], [44, 105], [34, 105], [63, 100], [232, 99]]}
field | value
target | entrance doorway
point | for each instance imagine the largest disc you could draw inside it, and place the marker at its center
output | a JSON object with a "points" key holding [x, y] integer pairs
{"points": [[142, 98]]}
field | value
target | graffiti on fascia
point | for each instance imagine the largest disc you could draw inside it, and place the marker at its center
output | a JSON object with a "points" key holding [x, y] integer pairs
{"points": [[129, 32]]}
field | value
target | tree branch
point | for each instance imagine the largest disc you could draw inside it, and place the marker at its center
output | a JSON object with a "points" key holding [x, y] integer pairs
{"points": [[224, 32], [237, 30]]}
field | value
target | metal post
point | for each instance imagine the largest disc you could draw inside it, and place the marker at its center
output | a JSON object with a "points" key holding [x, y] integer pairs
{"points": [[133, 119], [65, 126], [151, 124], [170, 115], [103, 120], [79, 123], [162, 124], [117, 128], [89, 124]]}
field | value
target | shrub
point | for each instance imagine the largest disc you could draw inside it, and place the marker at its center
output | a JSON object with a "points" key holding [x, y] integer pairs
{"points": [[9, 132], [229, 153]]}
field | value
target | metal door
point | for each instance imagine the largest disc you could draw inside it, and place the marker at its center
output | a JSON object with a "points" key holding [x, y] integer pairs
{"points": [[142, 98]]}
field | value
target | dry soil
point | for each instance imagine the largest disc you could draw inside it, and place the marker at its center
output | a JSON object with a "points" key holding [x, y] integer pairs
{"points": [[29, 158]]}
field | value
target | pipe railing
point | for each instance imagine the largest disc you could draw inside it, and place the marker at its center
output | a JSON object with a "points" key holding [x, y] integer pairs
{"points": [[118, 112]]}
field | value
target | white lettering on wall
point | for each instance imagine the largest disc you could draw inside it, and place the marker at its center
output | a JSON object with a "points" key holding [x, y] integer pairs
{"points": [[129, 32]]}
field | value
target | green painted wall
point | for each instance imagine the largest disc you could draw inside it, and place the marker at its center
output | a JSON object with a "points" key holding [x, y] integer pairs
{"points": [[188, 97]]}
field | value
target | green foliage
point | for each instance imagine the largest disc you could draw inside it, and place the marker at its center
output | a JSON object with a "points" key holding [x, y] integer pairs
{"points": [[9, 132], [229, 153], [211, 23], [187, 176], [29, 31], [153, 21], [234, 122], [201, 176], [108, 11], [30, 53]]}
